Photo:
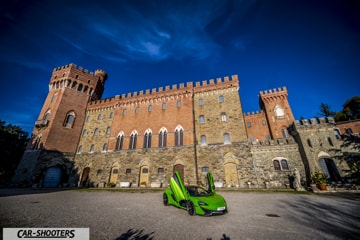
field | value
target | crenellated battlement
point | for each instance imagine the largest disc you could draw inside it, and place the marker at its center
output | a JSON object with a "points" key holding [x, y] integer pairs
{"points": [[314, 123], [273, 91], [73, 66]]}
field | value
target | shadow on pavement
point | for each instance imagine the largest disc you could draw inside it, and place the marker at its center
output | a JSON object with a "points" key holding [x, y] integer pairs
{"points": [[135, 234]]}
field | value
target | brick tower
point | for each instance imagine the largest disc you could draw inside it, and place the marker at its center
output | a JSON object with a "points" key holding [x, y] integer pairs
{"points": [[277, 111], [62, 116]]}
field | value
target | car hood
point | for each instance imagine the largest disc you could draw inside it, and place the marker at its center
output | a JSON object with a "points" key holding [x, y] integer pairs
{"points": [[215, 199]]}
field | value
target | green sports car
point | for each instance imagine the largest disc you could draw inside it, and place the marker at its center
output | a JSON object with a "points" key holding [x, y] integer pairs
{"points": [[195, 199]]}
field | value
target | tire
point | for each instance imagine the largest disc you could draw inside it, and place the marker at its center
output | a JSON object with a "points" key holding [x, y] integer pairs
{"points": [[190, 208], [165, 199]]}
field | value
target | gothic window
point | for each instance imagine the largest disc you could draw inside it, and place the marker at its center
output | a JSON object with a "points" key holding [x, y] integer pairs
{"points": [[79, 149], [223, 117], [179, 132], [201, 102], [163, 106], [226, 138], [276, 165], [69, 120], [203, 140], [88, 118], [162, 137], [108, 129], [279, 112], [84, 133], [221, 98], [202, 119], [105, 147], [92, 148], [133, 138], [119, 142], [147, 139], [99, 117]]}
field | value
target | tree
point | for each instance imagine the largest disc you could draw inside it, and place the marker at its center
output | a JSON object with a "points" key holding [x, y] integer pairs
{"points": [[13, 142], [352, 108], [325, 110]]}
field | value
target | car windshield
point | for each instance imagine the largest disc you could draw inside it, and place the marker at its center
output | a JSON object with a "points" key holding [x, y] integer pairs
{"points": [[196, 191]]}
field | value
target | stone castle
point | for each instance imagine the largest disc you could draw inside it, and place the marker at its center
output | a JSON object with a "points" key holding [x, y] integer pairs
{"points": [[141, 138]]}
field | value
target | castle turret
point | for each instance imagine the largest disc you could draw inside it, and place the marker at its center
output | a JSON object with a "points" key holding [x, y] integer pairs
{"points": [[276, 106]]}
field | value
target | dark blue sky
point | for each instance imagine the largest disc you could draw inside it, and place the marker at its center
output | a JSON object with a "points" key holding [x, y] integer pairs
{"points": [[311, 47]]}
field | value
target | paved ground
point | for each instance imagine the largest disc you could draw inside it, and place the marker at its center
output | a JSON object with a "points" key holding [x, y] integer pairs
{"points": [[137, 215]]}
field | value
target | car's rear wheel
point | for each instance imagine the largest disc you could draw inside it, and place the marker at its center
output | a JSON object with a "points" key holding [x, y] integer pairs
{"points": [[190, 208], [165, 199]]}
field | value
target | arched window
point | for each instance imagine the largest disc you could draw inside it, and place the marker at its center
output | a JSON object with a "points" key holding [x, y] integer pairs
{"points": [[203, 140], [99, 117], [105, 147], [84, 133], [69, 120], [137, 110], [202, 119], [147, 139], [162, 137], [79, 149], [111, 115], [150, 108], [226, 138], [92, 147], [80, 87], [96, 132], [133, 138], [54, 97], [276, 165], [119, 141], [223, 117], [179, 132], [249, 124], [279, 112], [284, 165], [163, 106], [108, 130], [263, 122]]}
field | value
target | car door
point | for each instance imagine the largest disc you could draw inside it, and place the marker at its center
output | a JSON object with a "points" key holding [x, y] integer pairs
{"points": [[178, 188], [211, 183]]}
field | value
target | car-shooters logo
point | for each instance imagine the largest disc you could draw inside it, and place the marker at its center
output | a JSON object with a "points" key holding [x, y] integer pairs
{"points": [[46, 233]]}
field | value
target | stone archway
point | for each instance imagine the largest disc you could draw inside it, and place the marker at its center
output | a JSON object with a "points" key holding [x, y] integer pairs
{"points": [[230, 170], [328, 166], [179, 167], [114, 174], [144, 174], [85, 177]]}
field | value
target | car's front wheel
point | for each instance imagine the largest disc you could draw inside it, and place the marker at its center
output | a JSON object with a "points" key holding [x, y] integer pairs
{"points": [[165, 199], [190, 208]]}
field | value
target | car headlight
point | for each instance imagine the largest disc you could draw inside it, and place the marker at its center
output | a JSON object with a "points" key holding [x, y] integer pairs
{"points": [[201, 203]]}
